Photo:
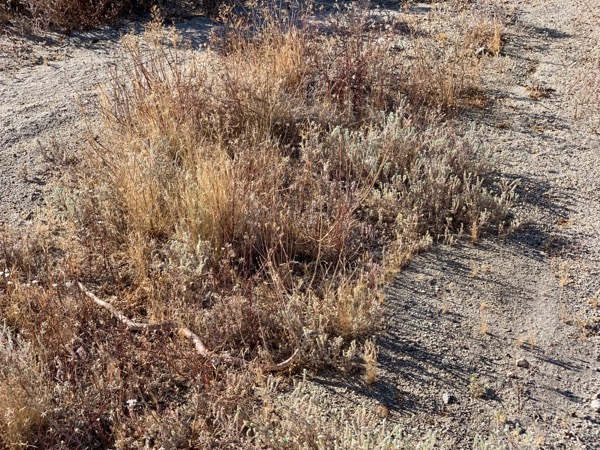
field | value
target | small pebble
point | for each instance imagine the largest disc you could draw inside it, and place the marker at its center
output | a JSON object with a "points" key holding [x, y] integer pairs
{"points": [[523, 363], [483, 51], [448, 398]]}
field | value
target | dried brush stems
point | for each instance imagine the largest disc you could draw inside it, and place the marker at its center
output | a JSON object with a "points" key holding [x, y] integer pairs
{"points": [[261, 192], [183, 331], [139, 326], [69, 15]]}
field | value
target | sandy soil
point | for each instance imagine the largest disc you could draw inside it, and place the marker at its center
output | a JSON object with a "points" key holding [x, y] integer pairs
{"points": [[459, 318]]}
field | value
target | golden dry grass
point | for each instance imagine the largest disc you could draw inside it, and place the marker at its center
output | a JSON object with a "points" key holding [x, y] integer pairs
{"points": [[81, 14]]}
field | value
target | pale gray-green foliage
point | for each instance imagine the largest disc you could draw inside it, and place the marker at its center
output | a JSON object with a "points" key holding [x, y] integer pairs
{"points": [[297, 421], [427, 179]]}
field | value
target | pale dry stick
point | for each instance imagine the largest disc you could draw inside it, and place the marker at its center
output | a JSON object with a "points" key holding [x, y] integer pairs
{"points": [[184, 331]]}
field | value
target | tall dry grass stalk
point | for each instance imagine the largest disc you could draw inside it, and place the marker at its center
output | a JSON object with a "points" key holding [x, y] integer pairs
{"points": [[71, 15]]}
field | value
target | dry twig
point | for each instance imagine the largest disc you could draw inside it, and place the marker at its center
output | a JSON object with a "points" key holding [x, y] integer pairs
{"points": [[184, 331]]}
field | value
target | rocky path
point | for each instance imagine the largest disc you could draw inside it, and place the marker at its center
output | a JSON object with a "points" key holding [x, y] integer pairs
{"points": [[42, 94]]}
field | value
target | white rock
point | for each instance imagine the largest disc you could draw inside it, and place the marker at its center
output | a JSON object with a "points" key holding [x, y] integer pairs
{"points": [[448, 398], [595, 405]]}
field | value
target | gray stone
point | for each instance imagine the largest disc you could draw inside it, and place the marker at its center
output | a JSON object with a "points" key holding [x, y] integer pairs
{"points": [[523, 363]]}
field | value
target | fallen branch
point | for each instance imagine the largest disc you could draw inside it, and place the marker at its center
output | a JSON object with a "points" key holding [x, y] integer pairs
{"points": [[183, 331]]}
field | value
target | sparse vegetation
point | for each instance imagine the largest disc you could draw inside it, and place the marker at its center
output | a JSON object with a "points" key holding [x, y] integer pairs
{"points": [[370, 358], [536, 91], [257, 193], [484, 325], [478, 388], [79, 14], [359, 429]]}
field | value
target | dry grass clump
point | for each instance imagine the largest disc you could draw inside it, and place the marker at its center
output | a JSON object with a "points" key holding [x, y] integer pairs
{"points": [[257, 194], [24, 394], [446, 59], [78, 14]]}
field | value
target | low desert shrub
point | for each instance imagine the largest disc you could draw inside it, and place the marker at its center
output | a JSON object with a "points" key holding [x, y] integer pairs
{"points": [[79, 14], [64, 14], [293, 421]]}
